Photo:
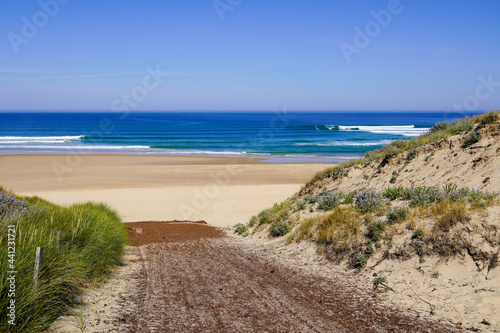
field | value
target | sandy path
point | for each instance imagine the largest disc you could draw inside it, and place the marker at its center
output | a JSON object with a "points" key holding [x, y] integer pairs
{"points": [[198, 280]]}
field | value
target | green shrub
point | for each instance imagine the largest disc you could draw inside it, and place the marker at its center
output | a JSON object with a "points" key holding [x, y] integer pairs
{"points": [[440, 127], [375, 229], [411, 155], [241, 230], [393, 178], [461, 125], [378, 281], [279, 228], [312, 199], [422, 195], [278, 207], [454, 127], [392, 193], [450, 187], [369, 249], [488, 118], [417, 234], [253, 221], [471, 139], [361, 261], [334, 173], [397, 214], [389, 151], [301, 205], [370, 201], [330, 200], [349, 198], [265, 217], [401, 144], [481, 199]]}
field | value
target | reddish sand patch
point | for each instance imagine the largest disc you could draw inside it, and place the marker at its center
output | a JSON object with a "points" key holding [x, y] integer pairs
{"points": [[142, 233]]}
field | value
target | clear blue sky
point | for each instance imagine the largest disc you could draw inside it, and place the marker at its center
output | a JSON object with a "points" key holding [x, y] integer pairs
{"points": [[263, 55]]}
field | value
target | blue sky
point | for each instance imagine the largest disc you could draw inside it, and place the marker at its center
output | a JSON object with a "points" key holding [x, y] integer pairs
{"points": [[87, 55]]}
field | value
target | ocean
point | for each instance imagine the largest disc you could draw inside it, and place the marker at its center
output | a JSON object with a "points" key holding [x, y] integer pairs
{"points": [[279, 135]]}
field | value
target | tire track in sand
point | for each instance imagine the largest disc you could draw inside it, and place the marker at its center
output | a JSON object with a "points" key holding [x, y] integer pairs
{"points": [[194, 279]]}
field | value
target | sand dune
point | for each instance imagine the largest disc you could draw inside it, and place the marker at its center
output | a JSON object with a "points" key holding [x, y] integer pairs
{"points": [[458, 282]]}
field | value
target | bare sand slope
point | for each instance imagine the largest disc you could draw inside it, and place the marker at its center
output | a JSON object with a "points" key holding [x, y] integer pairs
{"points": [[221, 191], [194, 279], [461, 288]]}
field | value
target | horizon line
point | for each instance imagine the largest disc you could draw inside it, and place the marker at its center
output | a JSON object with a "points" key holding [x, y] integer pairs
{"points": [[229, 111]]}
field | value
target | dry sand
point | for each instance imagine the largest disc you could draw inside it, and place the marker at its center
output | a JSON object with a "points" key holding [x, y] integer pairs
{"points": [[222, 191], [452, 292], [189, 277]]}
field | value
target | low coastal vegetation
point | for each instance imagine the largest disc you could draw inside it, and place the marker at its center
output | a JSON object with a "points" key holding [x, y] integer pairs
{"points": [[358, 222], [468, 126], [393, 221], [352, 230], [80, 243]]}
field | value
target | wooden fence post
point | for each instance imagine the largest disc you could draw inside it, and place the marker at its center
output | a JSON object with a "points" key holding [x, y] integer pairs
{"points": [[58, 239], [38, 264]]}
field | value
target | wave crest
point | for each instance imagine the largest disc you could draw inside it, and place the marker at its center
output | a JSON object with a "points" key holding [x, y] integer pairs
{"points": [[405, 130], [39, 139]]}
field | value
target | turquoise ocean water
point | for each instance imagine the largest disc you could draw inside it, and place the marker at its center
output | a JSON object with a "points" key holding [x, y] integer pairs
{"points": [[308, 136]]}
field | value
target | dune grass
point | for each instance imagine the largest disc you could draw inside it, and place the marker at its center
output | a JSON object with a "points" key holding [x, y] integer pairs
{"points": [[91, 242], [438, 132], [355, 233], [355, 225]]}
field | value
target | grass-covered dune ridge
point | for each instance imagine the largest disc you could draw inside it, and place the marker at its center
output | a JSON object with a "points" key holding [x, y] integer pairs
{"points": [[91, 241], [461, 133], [433, 195]]}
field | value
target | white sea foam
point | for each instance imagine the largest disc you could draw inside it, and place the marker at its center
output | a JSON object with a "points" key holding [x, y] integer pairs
{"points": [[405, 130], [345, 143], [38, 139], [130, 148], [69, 147]]}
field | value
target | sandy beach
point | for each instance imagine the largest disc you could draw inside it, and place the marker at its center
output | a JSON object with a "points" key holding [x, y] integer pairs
{"points": [[222, 191]]}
